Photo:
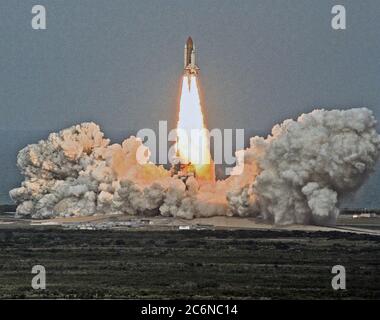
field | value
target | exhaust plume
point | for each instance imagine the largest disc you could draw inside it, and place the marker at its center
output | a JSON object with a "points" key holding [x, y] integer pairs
{"points": [[298, 174]]}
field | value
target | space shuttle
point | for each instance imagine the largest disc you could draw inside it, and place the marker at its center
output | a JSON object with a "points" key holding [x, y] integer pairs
{"points": [[189, 58]]}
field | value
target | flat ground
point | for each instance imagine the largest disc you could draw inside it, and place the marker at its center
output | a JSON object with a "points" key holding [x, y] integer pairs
{"points": [[187, 264]]}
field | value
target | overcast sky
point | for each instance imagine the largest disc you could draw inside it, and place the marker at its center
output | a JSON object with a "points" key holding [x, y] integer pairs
{"points": [[118, 63]]}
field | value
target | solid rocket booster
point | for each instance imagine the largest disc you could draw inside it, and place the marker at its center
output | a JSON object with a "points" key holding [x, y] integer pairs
{"points": [[189, 58]]}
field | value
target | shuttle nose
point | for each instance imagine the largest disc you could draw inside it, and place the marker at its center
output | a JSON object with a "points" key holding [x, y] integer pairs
{"points": [[189, 42]]}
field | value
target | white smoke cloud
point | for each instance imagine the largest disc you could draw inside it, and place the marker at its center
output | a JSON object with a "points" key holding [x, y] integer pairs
{"points": [[298, 174], [304, 167]]}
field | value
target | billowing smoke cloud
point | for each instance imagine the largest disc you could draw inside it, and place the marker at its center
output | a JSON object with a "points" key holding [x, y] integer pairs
{"points": [[296, 175], [304, 167]]}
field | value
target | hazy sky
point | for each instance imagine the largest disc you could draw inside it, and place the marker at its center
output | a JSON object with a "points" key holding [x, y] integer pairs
{"points": [[118, 63]]}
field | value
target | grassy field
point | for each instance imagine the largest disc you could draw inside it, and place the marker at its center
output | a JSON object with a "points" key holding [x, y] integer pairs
{"points": [[188, 264]]}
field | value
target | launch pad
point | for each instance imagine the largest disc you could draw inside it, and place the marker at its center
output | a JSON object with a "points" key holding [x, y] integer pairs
{"points": [[345, 224]]}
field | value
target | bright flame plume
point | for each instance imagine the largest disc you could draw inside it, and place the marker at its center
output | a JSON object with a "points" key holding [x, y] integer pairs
{"points": [[193, 145]]}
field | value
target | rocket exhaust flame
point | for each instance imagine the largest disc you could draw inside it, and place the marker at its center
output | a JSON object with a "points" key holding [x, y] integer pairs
{"points": [[193, 146]]}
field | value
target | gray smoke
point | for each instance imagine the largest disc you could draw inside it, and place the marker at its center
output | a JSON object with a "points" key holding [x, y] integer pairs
{"points": [[298, 174], [306, 166]]}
